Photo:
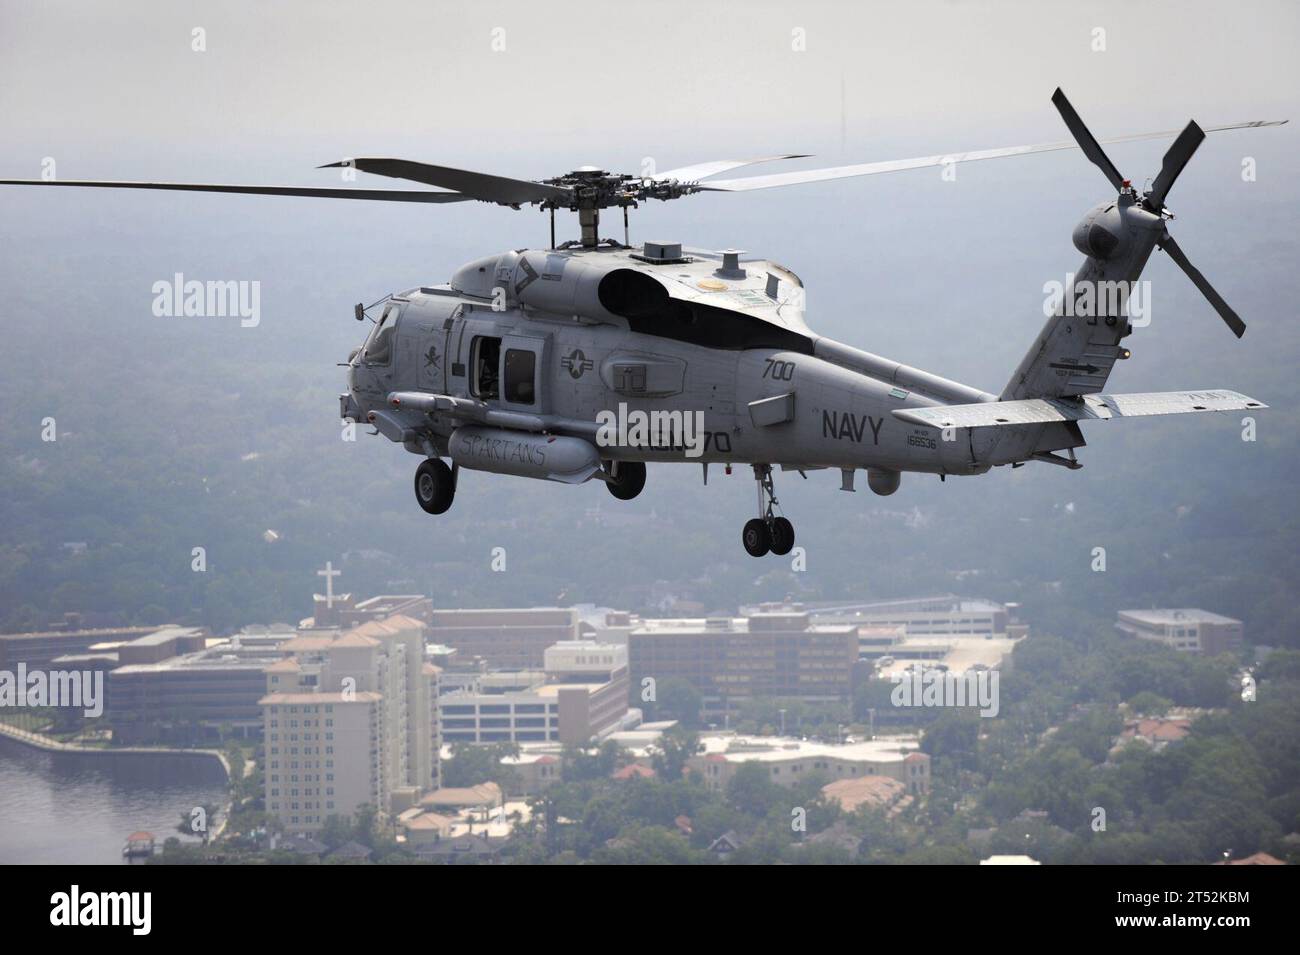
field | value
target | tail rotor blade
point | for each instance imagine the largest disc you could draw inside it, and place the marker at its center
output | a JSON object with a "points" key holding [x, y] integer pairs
{"points": [[1087, 142], [1176, 157], [1230, 318]]}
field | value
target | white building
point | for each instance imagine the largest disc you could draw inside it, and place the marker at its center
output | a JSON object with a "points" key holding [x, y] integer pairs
{"points": [[1186, 629], [788, 760], [350, 719], [944, 614], [581, 695]]}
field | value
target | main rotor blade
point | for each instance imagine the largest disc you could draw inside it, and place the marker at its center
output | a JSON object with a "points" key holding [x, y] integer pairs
{"points": [[476, 185], [386, 195], [1176, 157], [705, 169], [1087, 142], [1231, 318], [898, 165]]}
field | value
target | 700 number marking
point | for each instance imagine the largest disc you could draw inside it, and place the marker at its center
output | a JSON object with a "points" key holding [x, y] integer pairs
{"points": [[778, 370]]}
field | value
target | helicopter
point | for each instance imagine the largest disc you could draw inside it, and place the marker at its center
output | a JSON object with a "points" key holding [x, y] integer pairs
{"points": [[593, 357]]}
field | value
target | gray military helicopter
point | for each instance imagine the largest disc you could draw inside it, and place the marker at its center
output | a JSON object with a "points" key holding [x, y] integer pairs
{"points": [[591, 358]]}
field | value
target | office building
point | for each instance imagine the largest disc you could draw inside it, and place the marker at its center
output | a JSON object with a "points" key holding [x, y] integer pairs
{"points": [[169, 687], [1187, 630], [514, 639], [580, 695], [944, 614], [37, 649], [767, 654]]}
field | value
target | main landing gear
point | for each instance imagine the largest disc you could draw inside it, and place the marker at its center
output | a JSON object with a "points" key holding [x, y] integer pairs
{"points": [[626, 479], [768, 532], [435, 485]]}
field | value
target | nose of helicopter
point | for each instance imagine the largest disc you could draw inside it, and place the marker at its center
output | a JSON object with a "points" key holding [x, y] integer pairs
{"points": [[349, 409]]}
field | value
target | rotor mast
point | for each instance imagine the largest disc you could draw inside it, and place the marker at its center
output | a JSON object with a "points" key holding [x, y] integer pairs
{"points": [[589, 189]]}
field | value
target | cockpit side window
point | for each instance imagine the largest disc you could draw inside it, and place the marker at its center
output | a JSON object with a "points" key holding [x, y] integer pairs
{"points": [[378, 349], [486, 363]]}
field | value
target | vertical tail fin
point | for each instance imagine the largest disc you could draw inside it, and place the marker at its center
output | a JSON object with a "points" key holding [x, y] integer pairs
{"points": [[1080, 343]]}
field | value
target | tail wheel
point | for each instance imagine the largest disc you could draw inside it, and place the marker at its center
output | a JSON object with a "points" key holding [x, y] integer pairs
{"points": [[629, 479], [434, 486], [756, 537], [782, 532]]}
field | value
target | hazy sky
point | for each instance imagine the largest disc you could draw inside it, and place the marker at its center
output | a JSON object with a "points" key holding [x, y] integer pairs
{"points": [[610, 82], [945, 275], [117, 91]]}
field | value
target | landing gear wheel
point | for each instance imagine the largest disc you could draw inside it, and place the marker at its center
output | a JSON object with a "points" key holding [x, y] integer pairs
{"points": [[756, 537], [782, 533], [767, 533], [629, 479], [434, 486]]}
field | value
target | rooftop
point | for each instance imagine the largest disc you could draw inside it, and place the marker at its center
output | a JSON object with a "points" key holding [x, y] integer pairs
{"points": [[429, 821], [387, 603], [165, 635], [484, 794], [385, 627], [307, 642], [1009, 860], [88, 632], [726, 625], [957, 653], [870, 790], [938, 603], [221, 657], [739, 749], [1164, 617], [293, 699]]}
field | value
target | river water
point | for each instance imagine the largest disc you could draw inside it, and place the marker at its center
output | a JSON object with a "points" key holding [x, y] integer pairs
{"points": [[78, 810]]}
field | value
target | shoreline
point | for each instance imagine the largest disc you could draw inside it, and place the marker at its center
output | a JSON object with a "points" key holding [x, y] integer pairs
{"points": [[43, 743], [46, 744]]}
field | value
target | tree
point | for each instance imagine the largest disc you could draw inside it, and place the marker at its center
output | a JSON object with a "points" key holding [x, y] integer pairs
{"points": [[336, 831], [676, 746], [474, 763], [953, 735], [751, 790], [647, 845], [678, 700], [580, 764], [1147, 703], [365, 828], [1281, 665]]}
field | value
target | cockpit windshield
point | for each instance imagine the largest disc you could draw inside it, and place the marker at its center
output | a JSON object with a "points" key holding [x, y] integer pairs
{"points": [[378, 349]]}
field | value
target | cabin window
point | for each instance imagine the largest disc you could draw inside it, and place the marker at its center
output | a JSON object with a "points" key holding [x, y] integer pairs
{"points": [[486, 362], [521, 366], [379, 346]]}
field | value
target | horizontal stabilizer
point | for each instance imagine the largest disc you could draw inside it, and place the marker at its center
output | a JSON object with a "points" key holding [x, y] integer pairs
{"points": [[993, 414]]}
